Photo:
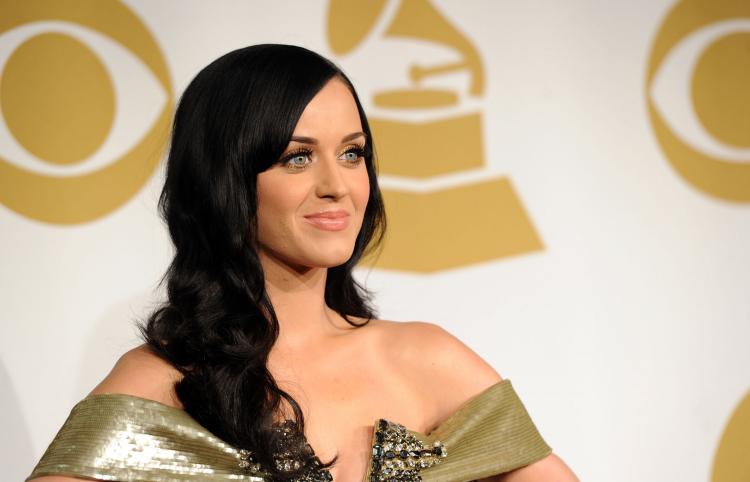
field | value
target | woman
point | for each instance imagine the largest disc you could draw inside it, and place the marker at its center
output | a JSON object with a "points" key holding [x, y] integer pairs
{"points": [[266, 362]]}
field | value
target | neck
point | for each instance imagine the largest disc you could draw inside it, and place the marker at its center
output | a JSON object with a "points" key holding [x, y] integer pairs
{"points": [[298, 298]]}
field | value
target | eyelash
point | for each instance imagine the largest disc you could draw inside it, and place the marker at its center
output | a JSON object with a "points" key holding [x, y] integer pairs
{"points": [[286, 160]]}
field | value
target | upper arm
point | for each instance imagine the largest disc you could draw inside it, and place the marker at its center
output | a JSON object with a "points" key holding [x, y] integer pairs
{"points": [[141, 373]]}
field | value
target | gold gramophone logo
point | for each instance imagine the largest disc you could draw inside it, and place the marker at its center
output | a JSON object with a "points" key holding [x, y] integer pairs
{"points": [[73, 146], [707, 142], [444, 209]]}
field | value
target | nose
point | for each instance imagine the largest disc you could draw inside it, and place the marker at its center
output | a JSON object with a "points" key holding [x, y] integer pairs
{"points": [[330, 179]]}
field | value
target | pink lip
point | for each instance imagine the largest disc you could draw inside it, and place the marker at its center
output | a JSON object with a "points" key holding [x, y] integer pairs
{"points": [[329, 220]]}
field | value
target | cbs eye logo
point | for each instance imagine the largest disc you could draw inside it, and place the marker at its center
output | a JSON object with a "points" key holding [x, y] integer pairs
{"points": [[86, 102], [698, 95]]}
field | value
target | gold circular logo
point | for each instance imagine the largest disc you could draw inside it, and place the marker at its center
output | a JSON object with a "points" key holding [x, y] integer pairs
{"points": [[731, 463], [719, 94], [58, 103]]}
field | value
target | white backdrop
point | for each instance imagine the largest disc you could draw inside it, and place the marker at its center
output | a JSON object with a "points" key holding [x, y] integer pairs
{"points": [[625, 333]]}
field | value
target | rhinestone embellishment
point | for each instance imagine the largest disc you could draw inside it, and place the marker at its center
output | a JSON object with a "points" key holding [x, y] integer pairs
{"points": [[247, 461], [397, 455], [283, 458], [285, 462]]}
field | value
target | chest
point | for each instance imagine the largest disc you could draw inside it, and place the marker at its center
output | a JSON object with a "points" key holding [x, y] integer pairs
{"points": [[339, 422], [340, 410]]}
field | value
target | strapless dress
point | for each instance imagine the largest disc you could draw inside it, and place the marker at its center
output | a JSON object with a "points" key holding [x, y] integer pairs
{"points": [[116, 437]]}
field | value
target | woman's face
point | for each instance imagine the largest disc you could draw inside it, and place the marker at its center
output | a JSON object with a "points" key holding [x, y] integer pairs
{"points": [[311, 204]]}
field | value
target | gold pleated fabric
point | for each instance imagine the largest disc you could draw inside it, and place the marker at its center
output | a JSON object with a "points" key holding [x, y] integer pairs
{"points": [[131, 439], [490, 434], [124, 438]]}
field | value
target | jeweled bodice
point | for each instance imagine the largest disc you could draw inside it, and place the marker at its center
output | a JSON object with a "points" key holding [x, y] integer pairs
{"points": [[131, 439]]}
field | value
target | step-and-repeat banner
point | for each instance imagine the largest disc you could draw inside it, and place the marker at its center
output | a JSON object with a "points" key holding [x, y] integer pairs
{"points": [[567, 185]]}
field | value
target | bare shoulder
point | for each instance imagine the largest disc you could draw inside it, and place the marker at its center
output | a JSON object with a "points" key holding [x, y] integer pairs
{"points": [[141, 373], [455, 373], [442, 364], [438, 351]]}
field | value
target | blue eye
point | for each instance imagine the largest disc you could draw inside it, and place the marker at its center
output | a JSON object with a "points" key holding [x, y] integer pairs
{"points": [[353, 155], [296, 161]]}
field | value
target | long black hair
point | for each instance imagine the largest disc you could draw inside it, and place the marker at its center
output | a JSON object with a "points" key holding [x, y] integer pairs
{"points": [[217, 326]]}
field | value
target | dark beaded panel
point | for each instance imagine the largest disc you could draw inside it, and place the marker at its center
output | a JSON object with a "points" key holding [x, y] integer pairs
{"points": [[284, 459], [399, 456]]}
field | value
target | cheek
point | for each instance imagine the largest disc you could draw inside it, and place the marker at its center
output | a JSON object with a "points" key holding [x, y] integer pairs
{"points": [[278, 203]]}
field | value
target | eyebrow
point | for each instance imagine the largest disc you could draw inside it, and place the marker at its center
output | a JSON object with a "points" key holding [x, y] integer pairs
{"points": [[313, 141]]}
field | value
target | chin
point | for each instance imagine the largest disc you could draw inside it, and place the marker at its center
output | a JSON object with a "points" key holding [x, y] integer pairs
{"points": [[331, 259]]}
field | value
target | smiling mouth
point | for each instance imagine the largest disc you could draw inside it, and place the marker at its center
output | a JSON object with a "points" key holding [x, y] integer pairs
{"points": [[329, 220]]}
